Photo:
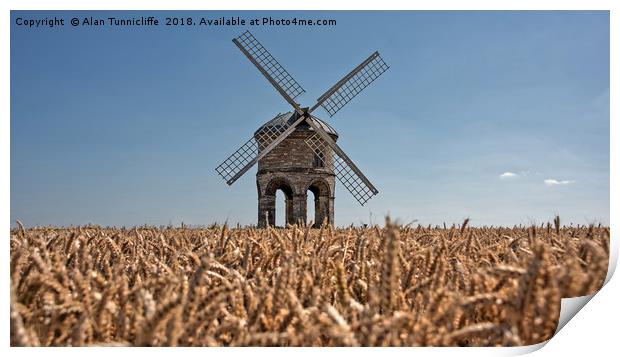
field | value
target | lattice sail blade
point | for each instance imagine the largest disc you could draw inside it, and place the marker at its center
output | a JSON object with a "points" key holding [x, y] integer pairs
{"points": [[345, 170], [255, 148], [279, 77], [352, 84]]}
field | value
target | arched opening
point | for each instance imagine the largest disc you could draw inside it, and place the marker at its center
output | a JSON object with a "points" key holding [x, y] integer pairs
{"points": [[321, 194], [280, 193], [281, 203], [311, 200]]}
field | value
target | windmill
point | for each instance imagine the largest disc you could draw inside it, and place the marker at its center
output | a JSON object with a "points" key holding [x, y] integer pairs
{"points": [[296, 151]]}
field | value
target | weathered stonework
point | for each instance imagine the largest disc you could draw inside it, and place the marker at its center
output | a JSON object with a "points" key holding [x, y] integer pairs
{"points": [[292, 167]]}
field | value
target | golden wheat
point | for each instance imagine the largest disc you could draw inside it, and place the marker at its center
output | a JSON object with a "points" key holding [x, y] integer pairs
{"points": [[216, 286]]}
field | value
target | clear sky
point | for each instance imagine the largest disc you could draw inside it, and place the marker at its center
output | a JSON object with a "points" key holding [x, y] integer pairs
{"points": [[502, 117]]}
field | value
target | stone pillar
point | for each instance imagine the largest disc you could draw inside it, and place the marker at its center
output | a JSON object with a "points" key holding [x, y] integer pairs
{"points": [[319, 212], [290, 211], [324, 210], [267, 210], [330, 210], [299, 208]]}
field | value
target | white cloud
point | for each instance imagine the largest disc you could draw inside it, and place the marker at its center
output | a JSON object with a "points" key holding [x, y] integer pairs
{"points": [[554, 182], [508, 175]]}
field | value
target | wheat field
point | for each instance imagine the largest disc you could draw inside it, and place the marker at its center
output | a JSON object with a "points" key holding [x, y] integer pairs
{"points": [[217, 286]]}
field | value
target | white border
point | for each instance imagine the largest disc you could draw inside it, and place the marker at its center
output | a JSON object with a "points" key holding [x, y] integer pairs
{"points": [[593, 329]]}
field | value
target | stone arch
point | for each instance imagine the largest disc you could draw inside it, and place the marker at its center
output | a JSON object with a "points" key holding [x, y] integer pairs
{"points": [[279, 183], [267, 202], [319, 187], [322, 202]]}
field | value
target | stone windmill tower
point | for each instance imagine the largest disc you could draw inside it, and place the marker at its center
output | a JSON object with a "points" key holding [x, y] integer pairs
{"points": [[296, 151]]}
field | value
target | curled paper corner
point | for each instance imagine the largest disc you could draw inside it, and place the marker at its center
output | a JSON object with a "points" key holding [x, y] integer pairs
{"points": [[569, 307]]}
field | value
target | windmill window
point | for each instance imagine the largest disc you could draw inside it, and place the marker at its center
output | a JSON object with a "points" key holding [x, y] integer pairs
{"points": [[318, 160]]}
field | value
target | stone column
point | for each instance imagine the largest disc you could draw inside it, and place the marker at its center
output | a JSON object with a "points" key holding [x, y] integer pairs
{"points": [[299, 208], [321, 207], [266, 210], [289, 214], [323, 210], [319, 212], [330, 210]]}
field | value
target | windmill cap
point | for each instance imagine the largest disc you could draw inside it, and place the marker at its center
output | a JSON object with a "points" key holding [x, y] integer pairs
{"points": [[290, 117]]}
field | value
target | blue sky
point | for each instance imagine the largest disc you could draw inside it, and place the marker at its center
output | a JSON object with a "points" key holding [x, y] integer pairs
{"points": [[502, 117]]}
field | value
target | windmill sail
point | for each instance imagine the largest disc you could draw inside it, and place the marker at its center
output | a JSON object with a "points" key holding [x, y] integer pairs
{"points": [[279, 77], [352, 84], [347, 173], [256, 148]]}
